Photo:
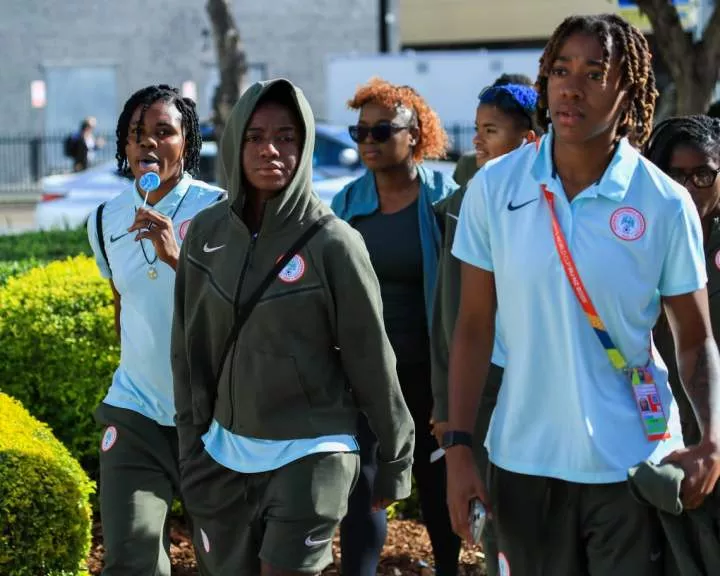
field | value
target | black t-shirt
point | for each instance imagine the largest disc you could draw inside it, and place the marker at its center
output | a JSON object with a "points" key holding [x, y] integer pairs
{"points": [[393, 241]]}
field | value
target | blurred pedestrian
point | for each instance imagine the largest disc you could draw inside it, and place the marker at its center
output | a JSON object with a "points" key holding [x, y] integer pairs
{"points": [[81, 146]]}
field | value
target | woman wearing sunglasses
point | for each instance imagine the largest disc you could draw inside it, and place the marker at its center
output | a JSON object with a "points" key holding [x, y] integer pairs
{"points": [[688, 150], [391, 205]]}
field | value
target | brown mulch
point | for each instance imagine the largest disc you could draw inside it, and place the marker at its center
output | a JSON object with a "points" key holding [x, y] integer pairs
{"points": [[407, 552]]}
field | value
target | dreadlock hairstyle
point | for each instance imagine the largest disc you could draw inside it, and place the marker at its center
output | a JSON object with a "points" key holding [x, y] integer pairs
{"points": [[146, 97], [633, 55], [699, 132]]}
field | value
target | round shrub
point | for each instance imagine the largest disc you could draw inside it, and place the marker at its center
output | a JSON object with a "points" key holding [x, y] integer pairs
{"points": [[58, 349], [44, 499]]}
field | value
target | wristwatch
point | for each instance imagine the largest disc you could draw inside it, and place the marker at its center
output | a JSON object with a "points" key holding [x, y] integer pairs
{"points": [[456, 438]]}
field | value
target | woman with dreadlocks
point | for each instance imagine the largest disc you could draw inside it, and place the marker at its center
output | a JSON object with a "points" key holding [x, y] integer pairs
{"points": [[688, 150], [576, 243], [136, 240]]}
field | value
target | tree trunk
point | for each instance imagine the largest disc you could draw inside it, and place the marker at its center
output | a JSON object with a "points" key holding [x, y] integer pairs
{"points": [[232, 66], [694, 90], [693, 65]]}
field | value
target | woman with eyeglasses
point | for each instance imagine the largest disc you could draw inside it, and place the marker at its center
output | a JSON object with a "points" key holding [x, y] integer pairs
{"points": [[688, 150], [391, 205]]}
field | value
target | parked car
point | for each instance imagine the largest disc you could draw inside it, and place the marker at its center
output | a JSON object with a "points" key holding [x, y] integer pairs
{"points": [[68, 199]]}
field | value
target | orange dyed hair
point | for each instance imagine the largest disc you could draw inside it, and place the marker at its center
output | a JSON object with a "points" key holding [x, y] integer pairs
{"points": [[432, 138]]}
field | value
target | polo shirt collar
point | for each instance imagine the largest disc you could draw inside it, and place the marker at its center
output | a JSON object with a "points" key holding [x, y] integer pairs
{"points": [[614, 182]]}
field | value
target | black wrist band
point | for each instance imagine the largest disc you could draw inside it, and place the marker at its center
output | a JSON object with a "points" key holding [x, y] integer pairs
{"points": [[457, 438]]}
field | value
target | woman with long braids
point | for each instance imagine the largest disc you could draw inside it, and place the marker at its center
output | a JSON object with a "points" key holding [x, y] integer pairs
{"points": [[688, 150], [136, 240], [577, 243]]}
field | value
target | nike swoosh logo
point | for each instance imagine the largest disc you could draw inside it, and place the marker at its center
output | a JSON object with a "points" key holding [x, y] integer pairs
{"points": [[311, 543], [512, 207], [116, 238], [453, 216], [208, 250]]}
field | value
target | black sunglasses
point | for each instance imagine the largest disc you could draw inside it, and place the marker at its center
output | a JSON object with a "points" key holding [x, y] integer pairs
{"points": [[381, 132], [702, 177]]}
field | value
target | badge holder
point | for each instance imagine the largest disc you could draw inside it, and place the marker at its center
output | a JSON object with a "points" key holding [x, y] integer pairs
{"points": [[648, 402]]}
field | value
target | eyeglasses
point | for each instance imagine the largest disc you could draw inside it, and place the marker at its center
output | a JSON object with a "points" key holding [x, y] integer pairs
{"points": [[381, 132], [702, 177]]}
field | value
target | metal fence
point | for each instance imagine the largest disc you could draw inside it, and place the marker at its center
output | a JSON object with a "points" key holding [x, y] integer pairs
{"points": [[26, 159]]}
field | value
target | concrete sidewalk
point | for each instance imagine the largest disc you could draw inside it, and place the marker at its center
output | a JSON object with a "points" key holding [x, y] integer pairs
{"points": [[17, 216]]}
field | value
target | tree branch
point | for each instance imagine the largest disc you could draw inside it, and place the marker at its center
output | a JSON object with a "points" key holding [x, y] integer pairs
{"points": [[231, 61], [674, 44]]}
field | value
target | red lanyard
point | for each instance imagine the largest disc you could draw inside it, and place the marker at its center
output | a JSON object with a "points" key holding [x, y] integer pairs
{"points": [[616, 358], [652, 412]]}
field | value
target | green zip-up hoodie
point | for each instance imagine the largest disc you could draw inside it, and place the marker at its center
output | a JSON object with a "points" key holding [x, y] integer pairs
{"points": [[314, 350]]}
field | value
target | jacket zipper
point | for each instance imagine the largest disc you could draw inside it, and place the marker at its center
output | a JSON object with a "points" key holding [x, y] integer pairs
{"points": [[246, 265]]}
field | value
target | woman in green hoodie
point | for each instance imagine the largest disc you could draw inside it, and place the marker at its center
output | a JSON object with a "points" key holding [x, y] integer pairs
{"points": [[278, 343]]}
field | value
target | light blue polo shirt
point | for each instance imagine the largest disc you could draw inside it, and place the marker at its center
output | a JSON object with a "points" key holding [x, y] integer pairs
{"points": [[563, 410], [143, 380]]}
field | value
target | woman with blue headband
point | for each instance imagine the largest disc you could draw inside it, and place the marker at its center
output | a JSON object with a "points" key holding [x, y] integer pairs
{"points": [[504, 120]]}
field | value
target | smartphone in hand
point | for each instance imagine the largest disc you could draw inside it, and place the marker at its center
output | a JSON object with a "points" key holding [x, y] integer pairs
{"points": [[476, 519]]}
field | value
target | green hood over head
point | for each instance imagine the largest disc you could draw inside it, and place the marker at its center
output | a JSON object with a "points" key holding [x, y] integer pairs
{"points": [[298, 198]]}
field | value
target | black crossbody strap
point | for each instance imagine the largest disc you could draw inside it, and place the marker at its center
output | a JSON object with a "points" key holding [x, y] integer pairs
{"points": [[247, 307], [99, 231]]}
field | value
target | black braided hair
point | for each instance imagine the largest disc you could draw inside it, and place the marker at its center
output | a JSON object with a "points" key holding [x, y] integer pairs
{"points": [[634, 57], [714, 110], [699, 132], [146, 97], [513, 79]]}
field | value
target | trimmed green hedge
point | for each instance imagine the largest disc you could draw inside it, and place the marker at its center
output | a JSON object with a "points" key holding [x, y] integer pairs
{"points": [[51, 245], [45, 514], [60, 349]]}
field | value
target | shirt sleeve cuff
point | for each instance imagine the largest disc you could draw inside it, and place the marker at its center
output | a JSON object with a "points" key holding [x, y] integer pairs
{"points": [[472, 259], [689, 288]]}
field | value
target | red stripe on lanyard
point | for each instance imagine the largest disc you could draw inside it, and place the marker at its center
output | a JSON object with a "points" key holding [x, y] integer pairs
{"points": [[566, 258]]}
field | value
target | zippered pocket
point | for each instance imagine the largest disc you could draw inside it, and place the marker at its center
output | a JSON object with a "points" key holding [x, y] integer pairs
{"points": [[291, 292]]}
